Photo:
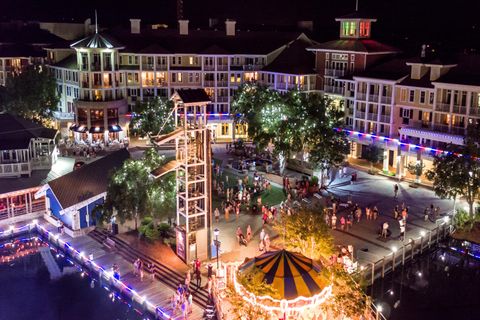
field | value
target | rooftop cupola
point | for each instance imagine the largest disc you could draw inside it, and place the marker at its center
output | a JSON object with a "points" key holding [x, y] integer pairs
{"points": [[355, 25]]}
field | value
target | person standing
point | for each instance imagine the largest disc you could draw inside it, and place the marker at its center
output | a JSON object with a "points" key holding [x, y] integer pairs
{"points": [[375, 213], [334, 221], [209, 270], [395, 191], [385, 230], [249, 233], [402, 223], [342, 223], [217, 214], [262, 235], [151, 270], [267, 243]]}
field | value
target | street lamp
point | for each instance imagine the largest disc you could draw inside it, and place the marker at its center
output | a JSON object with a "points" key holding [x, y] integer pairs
{"points": [[216, 232]]}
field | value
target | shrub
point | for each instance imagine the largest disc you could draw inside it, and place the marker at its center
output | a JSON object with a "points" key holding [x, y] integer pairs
{"points": [[164, 230]]}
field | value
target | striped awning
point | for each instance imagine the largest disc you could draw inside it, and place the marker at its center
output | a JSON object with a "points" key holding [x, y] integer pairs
{"points": [[292, 274], [79, 128]]}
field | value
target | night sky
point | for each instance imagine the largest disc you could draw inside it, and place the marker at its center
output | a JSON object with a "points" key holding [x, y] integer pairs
{"points": [[400, 22]]}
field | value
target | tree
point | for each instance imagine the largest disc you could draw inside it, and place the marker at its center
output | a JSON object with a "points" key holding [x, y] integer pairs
{"points": [[373, 154], [456, 172], [306, 232], [132, 194], [153, 117], [416, 169], [293, 122], [31, 94]]}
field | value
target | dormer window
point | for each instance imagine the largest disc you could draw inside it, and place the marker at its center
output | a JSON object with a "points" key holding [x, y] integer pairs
{"points": [[349, 28], [364, 28]]}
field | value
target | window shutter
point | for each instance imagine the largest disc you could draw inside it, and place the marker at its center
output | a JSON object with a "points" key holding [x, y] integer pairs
{"points": [[401, 113], [411, 113], [420, 113], [430, 117]]}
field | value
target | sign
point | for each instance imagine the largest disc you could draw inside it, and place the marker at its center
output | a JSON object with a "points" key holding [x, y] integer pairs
{"points": [[181, 243]]}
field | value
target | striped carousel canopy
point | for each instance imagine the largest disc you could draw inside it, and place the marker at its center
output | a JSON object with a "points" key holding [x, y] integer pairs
{"points": [[292, 274]]}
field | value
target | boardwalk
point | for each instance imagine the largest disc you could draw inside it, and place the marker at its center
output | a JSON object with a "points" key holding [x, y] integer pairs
{"points": [[154, 291]]}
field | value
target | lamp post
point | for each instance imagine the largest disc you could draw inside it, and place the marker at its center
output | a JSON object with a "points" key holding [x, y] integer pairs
{"points": [[216, 232]]}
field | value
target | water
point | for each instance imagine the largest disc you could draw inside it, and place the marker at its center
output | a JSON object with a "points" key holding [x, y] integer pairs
{"points": [[437, 285], [26, 291]]}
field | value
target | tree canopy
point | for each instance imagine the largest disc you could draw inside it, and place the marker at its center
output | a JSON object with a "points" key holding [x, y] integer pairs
{"points": [[152, 116], [306, 232], [293, 122], [31, 94], [133, 194], [456, 172]]}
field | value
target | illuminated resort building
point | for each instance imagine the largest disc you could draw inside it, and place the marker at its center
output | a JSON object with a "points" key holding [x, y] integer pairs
{"points": [[410, 107], [102, 77]]}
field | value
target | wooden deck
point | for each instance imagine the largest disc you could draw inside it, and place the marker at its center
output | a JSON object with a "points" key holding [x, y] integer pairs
{"points": [[155, 292]]}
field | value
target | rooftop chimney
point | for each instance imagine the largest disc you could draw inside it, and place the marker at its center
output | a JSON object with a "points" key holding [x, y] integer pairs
{"points": [[135, 26], [230, 27], [183, 26]]}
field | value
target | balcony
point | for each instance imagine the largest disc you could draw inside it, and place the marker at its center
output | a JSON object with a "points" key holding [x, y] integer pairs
{"points": [[222, 67], [360, 114], [334, 72], [361, 96], [373, 97], [460, 110], [372, 116], [222, 83], [63, 115], [252, 67], [147, 66], [386, 100], [443, 107], [349, 93], [14, 169], [457, 130], [222, 99], [384, 118], [209, 83], [208, 67], [440, 127], [161, 67], [474, 111], [334, 90]]}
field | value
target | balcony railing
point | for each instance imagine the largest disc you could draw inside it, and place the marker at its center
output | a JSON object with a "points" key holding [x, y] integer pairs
{"points": [[386, 99], [373, 97], [440, 127], [222, 99], [209, 67], [14, 169], [222, 67], [252, 67], [361, 96], [474, 111], [63, 115], [334, 72], [222, 83], [209, 83], [360, 114], [444, 107], [384, 118], [372, 116], [460, 109], [334, 90], [147, 66]]}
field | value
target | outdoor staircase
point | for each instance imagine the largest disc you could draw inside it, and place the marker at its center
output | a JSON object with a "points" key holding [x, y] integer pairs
{"points": [[164, 273], [50, 262]]}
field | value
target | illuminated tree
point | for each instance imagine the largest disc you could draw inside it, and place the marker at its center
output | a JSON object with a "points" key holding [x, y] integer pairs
{"points": [[152, 116], [293, 122], [31, 94], [306, 232], [416, 169], [132, 194], [458, 174], [373, 154]]}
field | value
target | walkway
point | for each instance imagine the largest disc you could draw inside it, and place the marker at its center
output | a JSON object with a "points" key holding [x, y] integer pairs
{"points": [[156, 293]]}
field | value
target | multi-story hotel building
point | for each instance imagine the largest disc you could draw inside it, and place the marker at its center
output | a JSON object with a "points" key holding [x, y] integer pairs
{"points": [[411, 108], [102, 77]]}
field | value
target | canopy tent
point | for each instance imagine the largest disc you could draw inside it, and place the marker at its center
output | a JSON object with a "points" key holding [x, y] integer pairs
{"points": [[292, 274]]}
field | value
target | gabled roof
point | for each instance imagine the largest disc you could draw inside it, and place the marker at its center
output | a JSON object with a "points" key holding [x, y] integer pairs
{"points": [[392, 69], [16, 132], [423, 82], [87, 181], [203, 41], [294, 59], [356, 15], [193, 95], [355, 45], [97, 41], [69, 62], [13, 50]]}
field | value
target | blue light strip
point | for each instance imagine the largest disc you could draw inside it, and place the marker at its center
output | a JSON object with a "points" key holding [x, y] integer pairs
{"points": [[83, 259]]}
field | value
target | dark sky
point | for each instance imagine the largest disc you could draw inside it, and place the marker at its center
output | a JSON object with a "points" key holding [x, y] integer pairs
{"points": [[408, 21]]}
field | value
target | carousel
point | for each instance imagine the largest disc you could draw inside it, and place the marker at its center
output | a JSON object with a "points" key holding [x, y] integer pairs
{"points": [[297, 280]]}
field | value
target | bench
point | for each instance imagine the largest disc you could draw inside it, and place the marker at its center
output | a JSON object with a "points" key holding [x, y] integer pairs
{"points": [[109, 243]]}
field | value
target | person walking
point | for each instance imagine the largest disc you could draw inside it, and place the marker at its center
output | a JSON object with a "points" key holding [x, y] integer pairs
{"points": [[217, 214], [395, 190], [140, 269], [249, 233], [342, 223], [375, 213], [267, 243], [359, 213], [262, 234], [402, 224], [151, 271]]}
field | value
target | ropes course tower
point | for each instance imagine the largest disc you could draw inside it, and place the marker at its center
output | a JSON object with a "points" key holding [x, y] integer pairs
{"points": [[192, 166]]}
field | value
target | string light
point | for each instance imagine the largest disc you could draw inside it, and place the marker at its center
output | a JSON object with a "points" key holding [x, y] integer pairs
{"points": [[101, 270]]}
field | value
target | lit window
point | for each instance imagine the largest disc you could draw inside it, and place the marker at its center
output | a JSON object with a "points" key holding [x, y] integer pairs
{"points": [[190, 60], [179, 77], [364, 28]]}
